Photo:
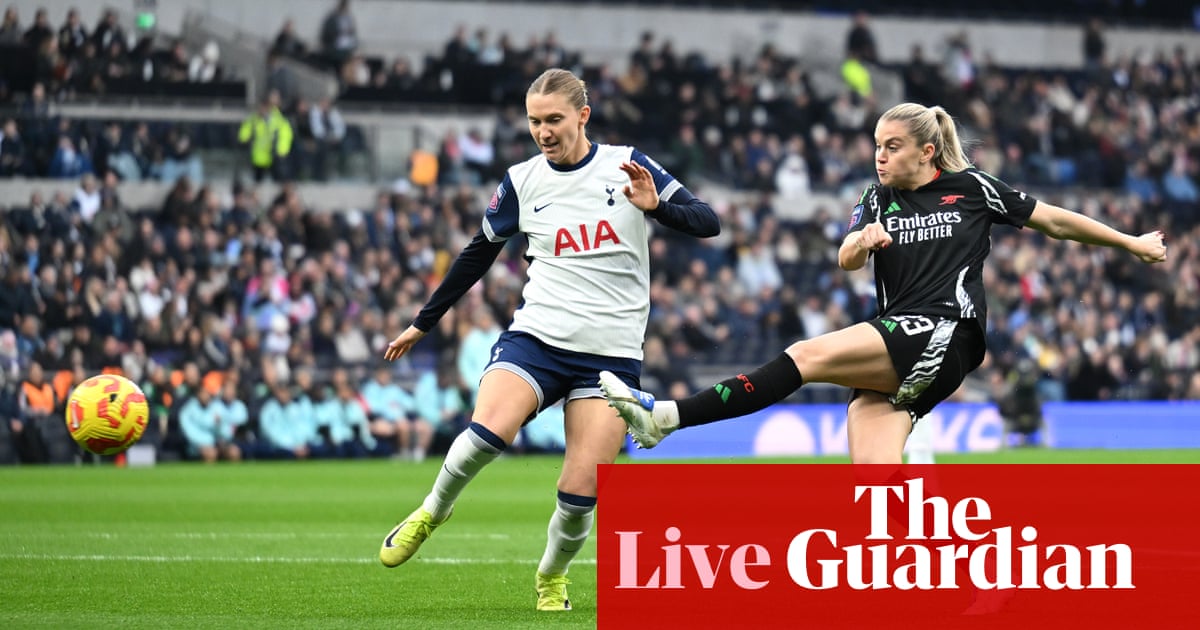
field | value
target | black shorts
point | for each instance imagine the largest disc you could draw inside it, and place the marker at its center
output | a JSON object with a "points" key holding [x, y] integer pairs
{"points": [[932, 355]]}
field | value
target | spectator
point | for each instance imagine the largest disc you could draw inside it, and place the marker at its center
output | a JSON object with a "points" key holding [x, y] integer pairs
{"points": [[791, 175], [13, 158], [204, 67], [10, 28], [400, 78], [304, 144], [68, 161], [11, 425], [109, 33], [39, 31], [921, 78], [287, 43], [1094, 47], [1019, 402], [116, 65], [354, 72], [478, 155], [351, 344], [10, 357], [268, 135], [757, 270], [328, 130], [43, 435], [687, 155], [144, 147], [959, 63], [135, 361], [266, 296], [860, 41], [1179, 188], [281, 79], [423, 167], [475, 351], [86, 201], [29, 339], [389, 407], [346, 420], [286, 427], [1144, 137], [339, 35], [458, 53], [87, 70], [16, 295], [172, 64], [441, 409], [73, 35], [235, 413], [37, 113], [157, 388], [178, 159], [208, 429], [487, 52]]}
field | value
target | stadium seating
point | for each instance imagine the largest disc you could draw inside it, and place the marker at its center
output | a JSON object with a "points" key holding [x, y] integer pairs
{"points": [[368, 247]]}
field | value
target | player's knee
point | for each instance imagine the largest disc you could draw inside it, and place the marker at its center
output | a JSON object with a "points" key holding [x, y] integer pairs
{"points": [[808, 357], [577, 483], [503, 426]]}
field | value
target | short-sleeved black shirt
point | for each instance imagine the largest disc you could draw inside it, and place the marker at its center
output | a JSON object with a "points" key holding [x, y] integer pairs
{"points": [[940, 240]]}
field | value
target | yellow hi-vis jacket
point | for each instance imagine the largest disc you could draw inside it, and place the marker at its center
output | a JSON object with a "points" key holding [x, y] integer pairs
{"points": [[269, 138]]}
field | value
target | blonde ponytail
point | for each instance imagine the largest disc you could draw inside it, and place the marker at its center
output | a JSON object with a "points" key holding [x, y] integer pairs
{"points": [[932, 125]]}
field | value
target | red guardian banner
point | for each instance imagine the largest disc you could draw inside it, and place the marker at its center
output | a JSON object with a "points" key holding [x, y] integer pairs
{"points": [[942, 546]]}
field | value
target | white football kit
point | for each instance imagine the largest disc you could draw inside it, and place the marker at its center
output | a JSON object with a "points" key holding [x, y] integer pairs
{"points": [[589, 279]]}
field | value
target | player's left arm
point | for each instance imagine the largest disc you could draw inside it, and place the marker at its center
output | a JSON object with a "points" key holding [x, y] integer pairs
{"points": [[654, 191], [1064, 224]]}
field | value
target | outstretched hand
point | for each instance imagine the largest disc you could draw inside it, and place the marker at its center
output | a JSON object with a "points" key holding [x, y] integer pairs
{"points": [[640, 190], [403, 343], [1150, 247]]}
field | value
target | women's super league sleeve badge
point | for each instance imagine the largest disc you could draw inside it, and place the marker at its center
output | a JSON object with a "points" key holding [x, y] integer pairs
{"points": [[497, 196], [855, 216]]}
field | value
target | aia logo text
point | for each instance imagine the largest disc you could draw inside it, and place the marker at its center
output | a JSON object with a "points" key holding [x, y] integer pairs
{"points": [[584, 238]]}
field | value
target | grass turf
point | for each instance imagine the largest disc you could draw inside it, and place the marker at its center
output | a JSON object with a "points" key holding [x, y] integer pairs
{"points": [[293, 544]]}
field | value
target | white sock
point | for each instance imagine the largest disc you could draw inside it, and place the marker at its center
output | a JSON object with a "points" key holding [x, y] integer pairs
{"points": [[920, 442], [565, 536], [666, 415], [467, 456], [922, 456]]}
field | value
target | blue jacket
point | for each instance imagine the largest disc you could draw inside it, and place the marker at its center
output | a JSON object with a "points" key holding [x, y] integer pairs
{"points": [[288, 426]]}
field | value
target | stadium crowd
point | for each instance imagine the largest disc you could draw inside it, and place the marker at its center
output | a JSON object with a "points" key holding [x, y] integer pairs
{"points": [[256, 325]]}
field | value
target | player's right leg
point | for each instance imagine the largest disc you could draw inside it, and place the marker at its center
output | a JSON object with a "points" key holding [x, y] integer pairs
{"points": [[505, 401]]}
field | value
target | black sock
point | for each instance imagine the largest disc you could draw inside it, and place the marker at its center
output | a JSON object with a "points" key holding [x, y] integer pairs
{"points": [[741, 394]]}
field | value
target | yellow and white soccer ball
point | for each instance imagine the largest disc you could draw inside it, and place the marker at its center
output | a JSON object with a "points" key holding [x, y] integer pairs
{"points": [[107, 414]]}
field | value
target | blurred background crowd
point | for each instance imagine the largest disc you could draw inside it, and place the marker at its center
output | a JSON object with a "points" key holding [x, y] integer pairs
{"points": [[256, 322]]}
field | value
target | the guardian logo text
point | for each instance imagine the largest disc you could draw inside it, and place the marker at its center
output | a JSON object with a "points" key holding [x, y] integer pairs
{"points": [[908, 542]]}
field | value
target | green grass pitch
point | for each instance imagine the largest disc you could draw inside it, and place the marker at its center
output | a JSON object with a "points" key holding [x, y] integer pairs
{"points": [[293, 544]]}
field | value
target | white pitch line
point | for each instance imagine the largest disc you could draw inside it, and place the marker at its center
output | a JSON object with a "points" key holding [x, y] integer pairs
{"points": [[232, 535], [254, 559]]}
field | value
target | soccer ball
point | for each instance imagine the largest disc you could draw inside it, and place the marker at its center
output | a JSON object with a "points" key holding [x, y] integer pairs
{"points": [[107, 414]]}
